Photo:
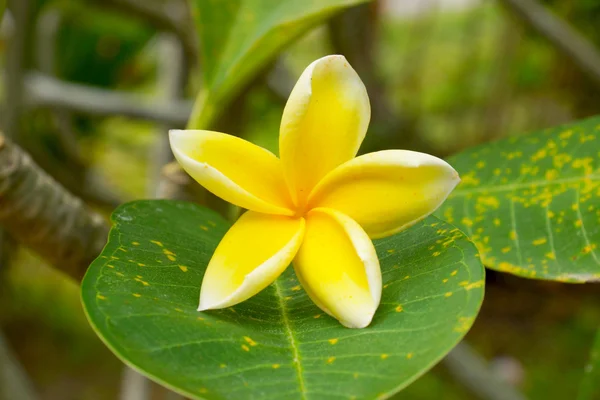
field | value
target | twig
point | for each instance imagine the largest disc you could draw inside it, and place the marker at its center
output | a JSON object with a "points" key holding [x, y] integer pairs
{"points": [[42, 90], [563, 36], [14, 383], [41, 214], [172, 78], [472, 371], [134, 386], [280, 80]]}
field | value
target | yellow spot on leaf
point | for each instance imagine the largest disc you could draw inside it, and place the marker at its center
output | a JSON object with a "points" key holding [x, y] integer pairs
{"points": [[384, 356], [436, 253], [399, 308], [245, 348], [330, 360], [355, 375], [183, 268], [512, 235], [204, 228], [100, 297], [589, 248], [156, 242], [142, 282], [135, 243], [551, 255], [496, 221], [203, 390], [448, 294], [141, 265], [470, 179], [110, 266], [467, 221], [463, 325], [250, 341], [170, 255], [137, 295], [454, 272], [490, 201], [333, 341], [445, 280], [317, 316], [409, 356], [539, 241], [505, 249], [475, 285], [391, 251], [222, 365], [275, 366], [296, 288], [566, 134]]}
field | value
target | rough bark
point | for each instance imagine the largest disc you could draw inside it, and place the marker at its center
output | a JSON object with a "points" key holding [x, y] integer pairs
{"points": [[41, 214]]}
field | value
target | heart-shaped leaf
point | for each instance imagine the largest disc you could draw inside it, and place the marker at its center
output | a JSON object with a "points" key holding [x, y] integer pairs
{"points": [[141, 297], [238, 37], [531, 204]]}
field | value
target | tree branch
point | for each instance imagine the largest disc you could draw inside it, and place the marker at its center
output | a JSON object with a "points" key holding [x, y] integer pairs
{"points": [[45, 91], [14, 383], [472, 371], [41, 214], [566, 39]]}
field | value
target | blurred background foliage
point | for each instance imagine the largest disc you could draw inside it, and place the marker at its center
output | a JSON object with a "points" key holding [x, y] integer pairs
{"points": [[443, 75]]}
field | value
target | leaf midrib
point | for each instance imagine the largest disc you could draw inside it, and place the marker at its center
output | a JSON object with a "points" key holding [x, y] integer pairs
{"points": [[291, 339], [524, 185]]}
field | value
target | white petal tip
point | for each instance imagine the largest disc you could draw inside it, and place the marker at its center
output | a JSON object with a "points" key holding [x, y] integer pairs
{"points": [[204, 305], [358, 323], [175, 132], [333, 57]]}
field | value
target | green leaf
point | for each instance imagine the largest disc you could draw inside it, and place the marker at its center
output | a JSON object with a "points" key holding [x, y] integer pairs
{"points": [[590, 385], [531, 204], [141, 297], [239, 37]]}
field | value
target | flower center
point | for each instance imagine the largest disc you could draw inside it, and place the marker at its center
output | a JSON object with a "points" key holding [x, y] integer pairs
{"points": [[300, 211]]}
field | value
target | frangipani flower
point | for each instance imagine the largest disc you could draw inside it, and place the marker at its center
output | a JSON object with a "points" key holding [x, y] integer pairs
{"points": [[317, 206]]}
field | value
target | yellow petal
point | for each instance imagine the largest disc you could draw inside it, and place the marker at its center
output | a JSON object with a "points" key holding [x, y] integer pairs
{"points": [[323, 124], [387, 191], [253, 253], [338, 267], [233, 169]]}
